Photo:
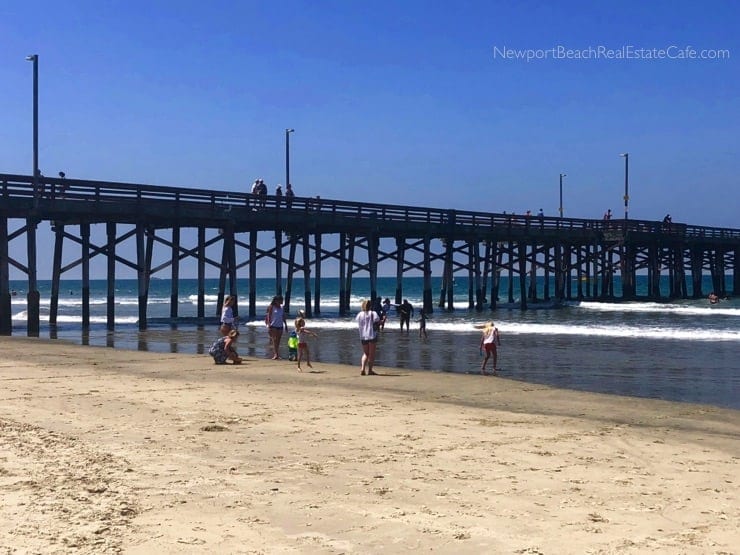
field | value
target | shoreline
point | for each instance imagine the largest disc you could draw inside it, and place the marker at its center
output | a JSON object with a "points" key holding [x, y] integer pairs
{"points": [[108, 450]]}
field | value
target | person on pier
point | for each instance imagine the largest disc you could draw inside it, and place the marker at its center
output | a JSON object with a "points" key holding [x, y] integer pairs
{"points": [[276, 324], [262, 193], [289, 195], [254, 193]]}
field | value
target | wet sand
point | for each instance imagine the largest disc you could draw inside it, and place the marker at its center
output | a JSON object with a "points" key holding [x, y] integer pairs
{"points": [[105, 450]]}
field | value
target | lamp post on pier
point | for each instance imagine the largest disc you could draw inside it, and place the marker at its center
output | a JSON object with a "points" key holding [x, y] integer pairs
{"points": [[562, 175], [33, 296], [35, 59], [278, 233], [287, 156], [626, 156]]}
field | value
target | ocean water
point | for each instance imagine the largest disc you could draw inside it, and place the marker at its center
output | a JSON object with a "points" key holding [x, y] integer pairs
{"points": [[683, 350]]}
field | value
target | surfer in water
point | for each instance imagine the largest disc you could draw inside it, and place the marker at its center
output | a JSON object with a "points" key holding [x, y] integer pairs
{"points": [[713, 298]]}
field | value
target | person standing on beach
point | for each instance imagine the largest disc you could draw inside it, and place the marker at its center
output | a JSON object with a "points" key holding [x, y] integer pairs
{"points": [[301, 331], [422, 323], [406, 310], [228, 321], [275, 321], [488, 342], [385, 309], [366, 322]]}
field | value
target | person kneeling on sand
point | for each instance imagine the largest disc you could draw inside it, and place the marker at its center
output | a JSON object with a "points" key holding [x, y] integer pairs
{"points": [[223, 349]]}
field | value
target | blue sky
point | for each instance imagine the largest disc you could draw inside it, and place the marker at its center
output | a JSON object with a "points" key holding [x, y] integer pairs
{"points": [[400, 103]]}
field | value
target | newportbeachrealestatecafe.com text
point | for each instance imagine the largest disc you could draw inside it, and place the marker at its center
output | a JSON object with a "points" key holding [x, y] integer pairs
{"points": [[626, 52]]}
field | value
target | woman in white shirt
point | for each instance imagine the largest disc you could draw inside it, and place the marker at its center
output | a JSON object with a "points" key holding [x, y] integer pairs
{"points": [[275, 321], [228, 321], [366, 321]]}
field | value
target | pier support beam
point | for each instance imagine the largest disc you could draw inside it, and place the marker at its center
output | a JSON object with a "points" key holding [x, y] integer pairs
{"points": [[291, 270], [697, 255], [6, 316], [343, 308], [33, 297], [400, 258], [307, 276], [110, 301], [85, 235], [428, 302], [510, 267], [141, 268], [175, 272], [372, 255], [56, 274], [202, 272], [547, 265], [495, 257], [253, 274], [317, 278], [350, 269], [473, 283], [522, 256], [278, 262]]}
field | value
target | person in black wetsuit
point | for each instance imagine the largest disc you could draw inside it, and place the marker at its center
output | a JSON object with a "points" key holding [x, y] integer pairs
{"points": [[406, 311]]}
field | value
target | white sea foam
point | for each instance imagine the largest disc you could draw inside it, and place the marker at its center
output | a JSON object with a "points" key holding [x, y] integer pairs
{"points": [[209, 299], [22, 316], [669, 308], [518, 328]]}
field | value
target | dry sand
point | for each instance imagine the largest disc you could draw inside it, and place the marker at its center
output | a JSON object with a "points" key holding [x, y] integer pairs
{"points": [[105, 451]]}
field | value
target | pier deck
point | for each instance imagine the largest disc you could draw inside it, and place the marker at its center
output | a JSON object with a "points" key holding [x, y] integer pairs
{"points": [[580, 256]]}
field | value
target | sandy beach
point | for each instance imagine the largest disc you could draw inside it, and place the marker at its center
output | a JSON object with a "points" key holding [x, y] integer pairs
{"points": [[107, 451]]}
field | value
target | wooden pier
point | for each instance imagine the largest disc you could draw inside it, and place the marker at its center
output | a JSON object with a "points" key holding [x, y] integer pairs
{"points": [[580, 256]]}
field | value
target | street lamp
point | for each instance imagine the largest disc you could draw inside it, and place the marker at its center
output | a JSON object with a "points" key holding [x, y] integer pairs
{"points": [[35, 59], [626, 156], [562, 175], [287, 156]]}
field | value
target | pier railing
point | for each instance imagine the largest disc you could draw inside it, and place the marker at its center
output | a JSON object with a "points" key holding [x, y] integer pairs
{"points": [[21, 187]]}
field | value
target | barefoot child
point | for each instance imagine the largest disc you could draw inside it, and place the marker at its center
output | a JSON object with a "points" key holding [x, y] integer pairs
{"points": [[488, 342], [293, 346], [302, 332], [423, 317]]}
